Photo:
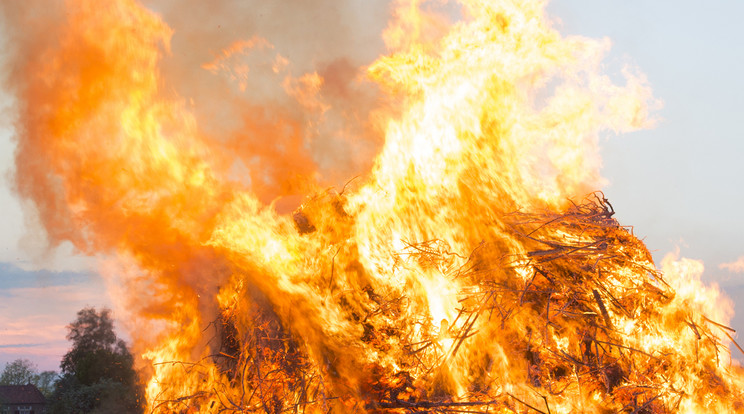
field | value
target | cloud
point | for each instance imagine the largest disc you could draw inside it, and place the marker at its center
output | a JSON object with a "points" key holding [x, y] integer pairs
{"points": [[23, 345], [15, 275], [37, 307]]}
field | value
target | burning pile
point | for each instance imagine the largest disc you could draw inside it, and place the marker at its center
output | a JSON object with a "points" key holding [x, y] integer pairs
{"points": [[454, 276], [581, 321]]}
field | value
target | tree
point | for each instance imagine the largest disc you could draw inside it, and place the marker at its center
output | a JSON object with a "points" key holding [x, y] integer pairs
{"points": [[18, 372], [45, 382], [98, 372], [23, 371], [96, 352]]}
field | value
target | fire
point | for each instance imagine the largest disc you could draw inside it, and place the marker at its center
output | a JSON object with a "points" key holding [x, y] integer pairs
{"points": [[455, 274]]}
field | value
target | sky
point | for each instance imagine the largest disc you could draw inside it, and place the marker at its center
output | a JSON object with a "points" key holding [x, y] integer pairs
{"points": [[677, 184]]}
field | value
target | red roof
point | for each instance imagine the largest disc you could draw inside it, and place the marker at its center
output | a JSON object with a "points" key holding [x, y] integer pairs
{"points": [[21, 394]]}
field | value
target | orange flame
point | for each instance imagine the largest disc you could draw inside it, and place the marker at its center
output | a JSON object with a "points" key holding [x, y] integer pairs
{"points": [[377, 297]]}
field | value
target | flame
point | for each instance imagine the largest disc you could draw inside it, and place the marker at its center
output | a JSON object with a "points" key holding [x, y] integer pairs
{"points": [[454, 273]]}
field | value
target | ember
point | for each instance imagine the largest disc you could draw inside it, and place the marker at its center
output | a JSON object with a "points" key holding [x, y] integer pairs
{"points": [[455, 274]]}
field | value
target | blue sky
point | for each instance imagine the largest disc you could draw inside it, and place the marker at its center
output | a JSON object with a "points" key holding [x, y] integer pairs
{"points": [[677, 184]]}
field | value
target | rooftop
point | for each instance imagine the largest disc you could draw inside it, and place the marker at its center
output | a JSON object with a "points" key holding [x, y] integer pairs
{"points": [[21, 394]]}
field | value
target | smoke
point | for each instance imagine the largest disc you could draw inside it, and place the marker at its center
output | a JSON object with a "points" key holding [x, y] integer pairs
{"points": [[251, 103], [135, 128], [291, 105], [736, 266], [171, 138]]}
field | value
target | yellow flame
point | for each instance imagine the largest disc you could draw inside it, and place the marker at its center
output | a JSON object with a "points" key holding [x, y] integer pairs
{"points": [[419, 282]]}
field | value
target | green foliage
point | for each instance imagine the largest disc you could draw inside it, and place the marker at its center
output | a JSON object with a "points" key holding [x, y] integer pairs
{"points": [[45, 382], [98, 372], [104, 396], [23, 371], [18, 372], [96, 352]]}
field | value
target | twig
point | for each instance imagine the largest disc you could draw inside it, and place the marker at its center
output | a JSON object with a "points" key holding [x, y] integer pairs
{"points": [[529, 406]]}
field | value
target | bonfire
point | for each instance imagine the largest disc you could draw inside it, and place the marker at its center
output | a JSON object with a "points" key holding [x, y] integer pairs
{"points": [[579, 321], [471, 266]]}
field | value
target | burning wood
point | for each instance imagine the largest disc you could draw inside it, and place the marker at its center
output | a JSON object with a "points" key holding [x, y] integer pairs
{"points": [[572, 326], [453, 277]]}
